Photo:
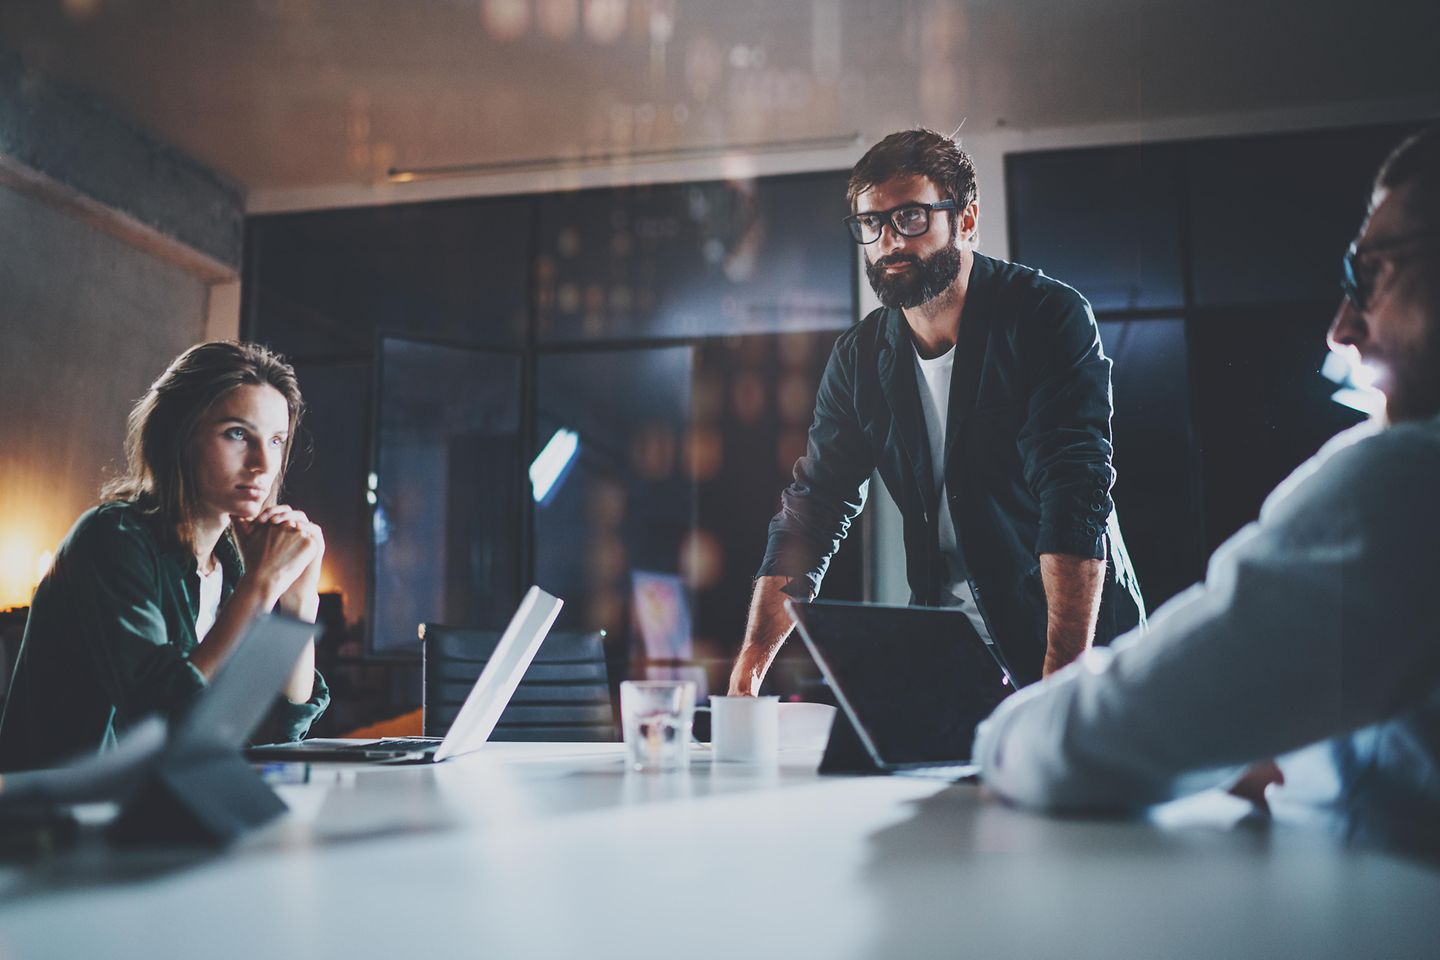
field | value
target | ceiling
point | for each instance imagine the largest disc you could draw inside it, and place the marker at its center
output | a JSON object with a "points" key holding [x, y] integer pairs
{"points": [[294, 94]]}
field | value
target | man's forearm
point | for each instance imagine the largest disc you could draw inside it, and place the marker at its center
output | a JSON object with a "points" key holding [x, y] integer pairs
{"points": [[1072, 601], [765, 631]]}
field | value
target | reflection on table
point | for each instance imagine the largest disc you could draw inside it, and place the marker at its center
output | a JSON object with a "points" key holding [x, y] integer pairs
{"points": [[555, 850]]}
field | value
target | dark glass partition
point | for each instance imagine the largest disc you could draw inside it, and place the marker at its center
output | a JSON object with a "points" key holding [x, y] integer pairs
{"points": [[623, 500], [327, 475], [1213, 267], [447, 508], [443, 345], [329, 282], [1264, 405], [1157, 466], [1272, 215], [690, 260], [1105, 221]]}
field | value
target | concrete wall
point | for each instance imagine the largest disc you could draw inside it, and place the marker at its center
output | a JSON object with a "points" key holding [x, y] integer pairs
{"points": [[86, 323], [65, 146]]}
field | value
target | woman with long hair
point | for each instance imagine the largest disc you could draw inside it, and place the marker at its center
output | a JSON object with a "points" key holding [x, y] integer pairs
{"points": [[152, 589]]}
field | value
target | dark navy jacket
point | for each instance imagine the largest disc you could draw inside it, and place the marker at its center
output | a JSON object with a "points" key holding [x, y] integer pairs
{"points": [[1027, 457]]}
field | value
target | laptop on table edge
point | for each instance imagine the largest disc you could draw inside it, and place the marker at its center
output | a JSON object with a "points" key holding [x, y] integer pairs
{"points": [[477, 718]]}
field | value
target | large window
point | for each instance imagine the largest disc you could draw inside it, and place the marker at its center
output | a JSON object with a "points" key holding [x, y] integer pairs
{"points": [[693, 260], [580, 390], [322, 285], [626, 500], [445, 490]]}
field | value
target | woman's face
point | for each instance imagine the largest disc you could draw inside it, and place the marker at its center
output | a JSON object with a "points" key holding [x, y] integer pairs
{"points": [[237, 452]]}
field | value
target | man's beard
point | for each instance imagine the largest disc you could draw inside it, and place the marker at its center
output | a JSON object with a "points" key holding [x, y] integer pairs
{"points": [[930, 277]]}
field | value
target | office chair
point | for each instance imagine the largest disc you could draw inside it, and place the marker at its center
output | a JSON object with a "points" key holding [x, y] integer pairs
{"points": [[564, 695]]}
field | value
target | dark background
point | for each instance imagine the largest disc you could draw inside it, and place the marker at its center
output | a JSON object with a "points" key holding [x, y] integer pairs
{"points": [[1213, 268]]}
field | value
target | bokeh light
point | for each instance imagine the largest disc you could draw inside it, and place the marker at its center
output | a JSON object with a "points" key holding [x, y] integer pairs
{"points": [[702, 559], [747, 396], [506, 20], [558, 19]]}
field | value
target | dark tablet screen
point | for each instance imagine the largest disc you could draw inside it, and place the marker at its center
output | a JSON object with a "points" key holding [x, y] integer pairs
{"points": [[915, 680]]}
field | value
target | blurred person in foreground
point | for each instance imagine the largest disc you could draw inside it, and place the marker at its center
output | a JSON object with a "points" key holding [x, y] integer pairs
{"points": [[1314, 638]]}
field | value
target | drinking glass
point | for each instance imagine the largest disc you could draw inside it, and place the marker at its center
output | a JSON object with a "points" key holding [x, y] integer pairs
{"points": [[657, 716]]}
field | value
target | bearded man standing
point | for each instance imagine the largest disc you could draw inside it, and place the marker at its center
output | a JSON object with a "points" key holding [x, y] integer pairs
{"points": [[981, 394]]}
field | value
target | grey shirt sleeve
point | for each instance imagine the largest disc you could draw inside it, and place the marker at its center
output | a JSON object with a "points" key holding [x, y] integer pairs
{"points": [[1311, 621]]}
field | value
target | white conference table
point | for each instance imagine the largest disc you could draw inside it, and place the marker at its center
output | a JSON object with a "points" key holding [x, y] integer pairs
{"points": [[554, 850]]}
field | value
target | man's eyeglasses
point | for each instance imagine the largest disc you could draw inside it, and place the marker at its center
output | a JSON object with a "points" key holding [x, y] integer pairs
{"points": [[908, 220], [1361, 265]]}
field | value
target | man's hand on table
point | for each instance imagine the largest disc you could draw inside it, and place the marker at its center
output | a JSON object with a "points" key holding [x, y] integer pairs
{"points": [[765, 631]]}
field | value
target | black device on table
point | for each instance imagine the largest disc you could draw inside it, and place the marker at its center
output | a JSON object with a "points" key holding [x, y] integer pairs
{"points": [[911, 683]]}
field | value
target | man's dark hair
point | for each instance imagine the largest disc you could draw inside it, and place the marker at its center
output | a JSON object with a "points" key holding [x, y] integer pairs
{"points": [[1416, 160], [917, 152]]}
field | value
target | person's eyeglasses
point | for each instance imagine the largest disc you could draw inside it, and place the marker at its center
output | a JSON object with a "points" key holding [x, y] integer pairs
{"points": [[908, 220], [1361, 265]]}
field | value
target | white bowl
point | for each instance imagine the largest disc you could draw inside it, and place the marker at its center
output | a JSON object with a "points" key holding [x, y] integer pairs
{"points": [[805, 726]]}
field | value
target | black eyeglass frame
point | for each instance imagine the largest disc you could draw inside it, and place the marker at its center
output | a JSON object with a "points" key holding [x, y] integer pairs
{"points": [[1355, 281], [888, 216]]}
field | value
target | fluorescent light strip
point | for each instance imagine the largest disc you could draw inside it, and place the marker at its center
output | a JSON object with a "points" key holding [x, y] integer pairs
{"points": [[550, 465], [414, 174]]}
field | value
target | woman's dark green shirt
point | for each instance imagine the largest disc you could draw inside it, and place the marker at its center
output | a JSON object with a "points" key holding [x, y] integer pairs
{"points": [[109, 639]]}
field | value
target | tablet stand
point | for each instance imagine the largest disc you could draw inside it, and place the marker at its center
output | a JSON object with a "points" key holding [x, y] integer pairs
{"points": [[844, 753], [208, 799]]}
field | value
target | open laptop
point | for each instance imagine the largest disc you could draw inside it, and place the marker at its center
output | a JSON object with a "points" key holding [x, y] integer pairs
{"points": [[477, 718], [912, 684]]}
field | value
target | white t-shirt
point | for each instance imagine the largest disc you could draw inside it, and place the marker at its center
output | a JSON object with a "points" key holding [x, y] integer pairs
{"points": [[210, 584], [934, 383]]}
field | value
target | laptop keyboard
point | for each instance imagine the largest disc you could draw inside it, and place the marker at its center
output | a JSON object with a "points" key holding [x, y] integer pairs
{"points": [[402, 743]]}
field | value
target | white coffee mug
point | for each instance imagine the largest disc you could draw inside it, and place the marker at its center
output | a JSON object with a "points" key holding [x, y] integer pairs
{"points": [[745, 729]]}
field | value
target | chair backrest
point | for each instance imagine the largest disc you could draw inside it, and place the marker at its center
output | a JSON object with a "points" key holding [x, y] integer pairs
{"points": [[564, 695]]}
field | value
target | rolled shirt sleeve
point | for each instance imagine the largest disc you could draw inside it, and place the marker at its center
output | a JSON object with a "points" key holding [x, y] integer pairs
{"points": [[1065, 440], [1313, 621], [830, 482]]}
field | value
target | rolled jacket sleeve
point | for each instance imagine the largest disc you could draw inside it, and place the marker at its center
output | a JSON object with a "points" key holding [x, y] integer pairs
{"points": [[1313, 621], [1064, 442], [288, 721], [830, 481]]}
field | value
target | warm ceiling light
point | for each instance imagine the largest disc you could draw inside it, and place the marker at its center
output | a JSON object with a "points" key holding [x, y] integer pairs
{"points": [[413, 174]]}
